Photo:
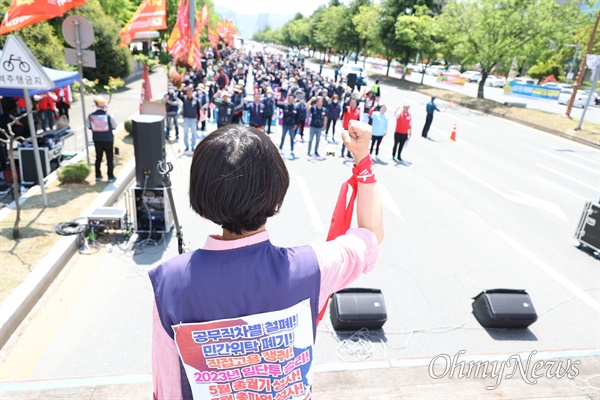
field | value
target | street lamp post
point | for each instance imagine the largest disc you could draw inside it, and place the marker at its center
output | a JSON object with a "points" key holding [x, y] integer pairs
{"points": [[570, 73]]}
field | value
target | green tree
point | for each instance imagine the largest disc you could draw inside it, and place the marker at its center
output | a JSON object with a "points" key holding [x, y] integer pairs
{"points": [[491, 32], [43, 43], [366, 26], [120, 10], [111, 59], [420, 32], [328, 28]]}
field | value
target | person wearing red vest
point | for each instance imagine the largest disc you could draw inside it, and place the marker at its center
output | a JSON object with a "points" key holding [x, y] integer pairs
{"points": [[64, 102], [21, 105], [352, 113], [403, 132], [46, 105]]}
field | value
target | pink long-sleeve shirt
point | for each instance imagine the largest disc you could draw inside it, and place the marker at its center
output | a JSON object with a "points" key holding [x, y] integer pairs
{"points": [[341, 261]]}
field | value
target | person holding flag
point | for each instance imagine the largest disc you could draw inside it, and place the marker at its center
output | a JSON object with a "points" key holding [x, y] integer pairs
{"points": [[240, 282]]}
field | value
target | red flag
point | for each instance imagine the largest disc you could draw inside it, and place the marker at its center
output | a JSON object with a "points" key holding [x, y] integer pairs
{"points": [[195, 55], [213, 36], [22, 14], [221, 29], [146, 94], [204, 15], [180, 36], [150, 15]]}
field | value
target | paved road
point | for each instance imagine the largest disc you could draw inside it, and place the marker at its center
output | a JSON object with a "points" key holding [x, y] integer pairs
{"points": [[496, 209]]}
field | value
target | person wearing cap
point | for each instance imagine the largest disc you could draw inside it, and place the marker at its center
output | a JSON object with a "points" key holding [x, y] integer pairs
{"points": [[269, 103], [238, 101], [102, 125], [190, 111], [403, 132], [225, 109], [430, 108], [171, 103]]}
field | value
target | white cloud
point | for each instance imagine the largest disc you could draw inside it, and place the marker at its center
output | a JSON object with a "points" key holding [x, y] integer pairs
{"points": [[305, 7]]}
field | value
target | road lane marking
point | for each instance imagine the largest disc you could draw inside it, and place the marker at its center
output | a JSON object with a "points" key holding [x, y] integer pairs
{"points": [[516, 196], [567, 177], [562, 189], [460, 119], [310, 205], [388, 201], [549, 271], [569, 161]]}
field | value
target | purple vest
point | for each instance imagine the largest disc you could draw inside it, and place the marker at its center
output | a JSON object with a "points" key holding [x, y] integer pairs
{"points": [[208, 285]]}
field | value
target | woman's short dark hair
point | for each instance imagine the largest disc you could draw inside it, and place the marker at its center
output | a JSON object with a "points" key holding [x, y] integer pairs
{"points": [[237, 178]]}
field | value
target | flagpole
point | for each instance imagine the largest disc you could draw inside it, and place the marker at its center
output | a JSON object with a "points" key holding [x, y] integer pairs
{"points": [[81, 91], [36, 153]]}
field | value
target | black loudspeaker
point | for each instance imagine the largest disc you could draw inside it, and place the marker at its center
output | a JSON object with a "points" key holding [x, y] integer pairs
{"points": [[504, 308], [588, 230], [354, 308], [27, 165], [149, 149]]}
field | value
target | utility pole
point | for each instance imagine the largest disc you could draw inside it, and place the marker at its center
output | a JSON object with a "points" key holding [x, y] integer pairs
{"points": [[579, 79]]}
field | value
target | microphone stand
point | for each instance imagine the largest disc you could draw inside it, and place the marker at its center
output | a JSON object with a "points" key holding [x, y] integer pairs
{"points": [[165, 170]]}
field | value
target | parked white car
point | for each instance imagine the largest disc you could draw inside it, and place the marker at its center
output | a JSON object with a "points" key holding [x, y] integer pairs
{"points": [[580, 98], [494, 81], [353, 69], [434, 70]]}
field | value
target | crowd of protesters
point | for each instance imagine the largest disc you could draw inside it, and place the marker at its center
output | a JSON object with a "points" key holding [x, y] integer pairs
{"points": [[264, 90]]}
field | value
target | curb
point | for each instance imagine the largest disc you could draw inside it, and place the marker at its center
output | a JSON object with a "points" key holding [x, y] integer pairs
{"points": [[19, 303], [546, 129]]}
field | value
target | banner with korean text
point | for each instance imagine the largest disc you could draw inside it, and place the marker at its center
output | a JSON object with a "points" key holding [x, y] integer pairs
{"points": [[260, 357]]}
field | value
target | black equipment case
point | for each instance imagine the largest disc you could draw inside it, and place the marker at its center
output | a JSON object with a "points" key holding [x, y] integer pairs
{"points": [[588, 230], [354, 308], [504, 308]]}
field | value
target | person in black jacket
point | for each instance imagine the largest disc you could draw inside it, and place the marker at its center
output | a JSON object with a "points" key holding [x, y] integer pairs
{"points": [[225, 110], [290, 120], [269, 102], [102, 125]]}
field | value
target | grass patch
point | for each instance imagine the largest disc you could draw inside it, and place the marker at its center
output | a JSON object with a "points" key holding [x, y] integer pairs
{"points": [[65, 203], [541, 119]]}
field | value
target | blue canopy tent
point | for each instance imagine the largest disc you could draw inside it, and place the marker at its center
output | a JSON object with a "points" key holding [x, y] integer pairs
{"points": [[60, 79]]}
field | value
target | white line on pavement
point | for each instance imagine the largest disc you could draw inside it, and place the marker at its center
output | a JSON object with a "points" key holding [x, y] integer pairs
{"points": [[548, 270], [569, 161], [517, 196], [310, 205], [388, 201], [567, 191], [460, 119], [596, 161], [567, 177]]}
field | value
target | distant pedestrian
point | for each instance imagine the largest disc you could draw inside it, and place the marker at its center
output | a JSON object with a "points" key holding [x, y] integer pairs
{"points": [[269, 103], [430, 108], [333, 113], [403, 132], [102, 125], [380, 125], [318, 119], [190, 111], [290, 121], [376, 88], [171, 103], [336, 73], [352, 113]]}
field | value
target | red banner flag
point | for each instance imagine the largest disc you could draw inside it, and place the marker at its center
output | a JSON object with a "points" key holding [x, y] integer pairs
{"points": [[180, 36], [221, 29], [204, 15], [195, 56], [151, 15], [22, 14], [213, 36]]}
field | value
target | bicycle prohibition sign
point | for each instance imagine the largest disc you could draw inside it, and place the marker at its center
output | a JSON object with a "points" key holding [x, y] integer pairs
{"points": [[9, 66]]}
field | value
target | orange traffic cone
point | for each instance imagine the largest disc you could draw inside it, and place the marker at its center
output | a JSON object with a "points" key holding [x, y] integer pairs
{"points": [[453, 134]]}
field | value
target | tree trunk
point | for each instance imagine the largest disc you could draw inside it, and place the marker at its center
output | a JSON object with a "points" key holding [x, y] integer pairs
{"points": [[357, 51], [16, 188], [365, 55], [389, 62], [484, 75], [423, 72]]}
